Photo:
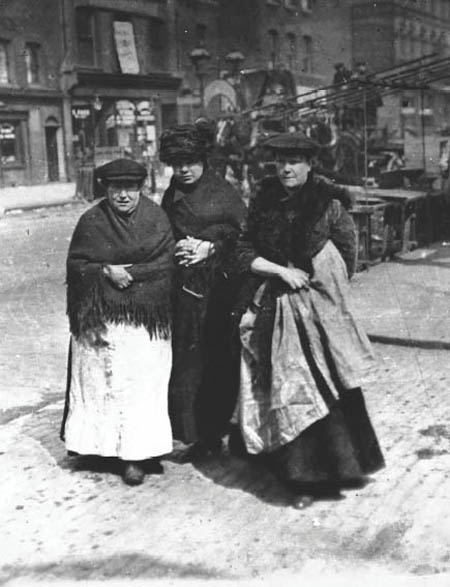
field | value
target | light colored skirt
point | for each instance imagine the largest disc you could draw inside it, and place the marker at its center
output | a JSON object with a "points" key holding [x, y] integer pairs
{"points": [[118, 398]]}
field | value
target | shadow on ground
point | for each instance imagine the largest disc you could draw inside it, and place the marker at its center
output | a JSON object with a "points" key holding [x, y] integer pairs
{"points": [[128, 565]]}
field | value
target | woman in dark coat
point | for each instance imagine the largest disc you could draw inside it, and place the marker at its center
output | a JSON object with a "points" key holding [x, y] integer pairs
{"points": [[206, 214], [302, 352]]}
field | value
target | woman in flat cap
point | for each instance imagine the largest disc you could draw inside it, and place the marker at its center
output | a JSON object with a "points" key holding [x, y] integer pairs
{"points": [[119, 273], [206, 214], [303, 355]]}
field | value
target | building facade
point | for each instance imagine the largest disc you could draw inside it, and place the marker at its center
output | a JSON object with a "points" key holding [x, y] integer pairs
{"points": [[119, 77], [305, 37], [31, 113], [391, 32]]}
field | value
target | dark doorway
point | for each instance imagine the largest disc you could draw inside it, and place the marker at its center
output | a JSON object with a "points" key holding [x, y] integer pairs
{"points": [[52, 152]]}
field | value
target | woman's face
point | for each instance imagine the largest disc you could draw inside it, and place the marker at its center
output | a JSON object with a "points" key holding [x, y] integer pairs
{"points": [[123, 196], [293, 170], [188, 172]]}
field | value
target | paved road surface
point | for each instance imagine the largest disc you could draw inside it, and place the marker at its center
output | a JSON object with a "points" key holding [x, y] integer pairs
{"points": [[221, 519]]}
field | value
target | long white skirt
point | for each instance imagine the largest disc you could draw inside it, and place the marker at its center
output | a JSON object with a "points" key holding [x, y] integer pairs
{"points": [[118, 398]]}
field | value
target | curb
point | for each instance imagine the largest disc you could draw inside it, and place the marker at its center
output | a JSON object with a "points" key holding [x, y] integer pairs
{"points": [[40, 206], [440, 345]]}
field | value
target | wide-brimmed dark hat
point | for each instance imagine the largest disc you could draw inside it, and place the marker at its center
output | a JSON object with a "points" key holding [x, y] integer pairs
{"points": [[292, 141], [185, 141], [121, 170]]}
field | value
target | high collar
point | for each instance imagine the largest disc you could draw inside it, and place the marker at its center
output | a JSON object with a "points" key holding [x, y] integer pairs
{"points": [[182, 191], [299, 193]]}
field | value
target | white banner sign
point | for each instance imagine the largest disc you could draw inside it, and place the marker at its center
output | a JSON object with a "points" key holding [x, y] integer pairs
{"points": [[126, 48]]}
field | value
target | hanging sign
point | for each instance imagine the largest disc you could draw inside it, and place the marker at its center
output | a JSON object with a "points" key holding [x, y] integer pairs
{"points": [[125, 113], [7, 131], [81, 113], [126, 48], [144, 111]]}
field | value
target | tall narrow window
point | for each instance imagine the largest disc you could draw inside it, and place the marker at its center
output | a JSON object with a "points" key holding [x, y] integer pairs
{"points": [[85, 26], [4, 71], [32, 62], [200, 33], [307, 54], [157, 43], [291, 50], [273, 47]]}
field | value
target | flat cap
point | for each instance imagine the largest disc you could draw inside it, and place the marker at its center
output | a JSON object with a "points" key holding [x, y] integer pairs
{"points": [[291, 141], [121, 169]]}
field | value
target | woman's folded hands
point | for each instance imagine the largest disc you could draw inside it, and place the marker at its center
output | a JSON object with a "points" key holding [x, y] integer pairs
{"points": [[118, 275], [190, 251]]}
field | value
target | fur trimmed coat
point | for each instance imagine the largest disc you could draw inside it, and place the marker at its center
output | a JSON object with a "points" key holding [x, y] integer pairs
{"points": [[283, 229]]}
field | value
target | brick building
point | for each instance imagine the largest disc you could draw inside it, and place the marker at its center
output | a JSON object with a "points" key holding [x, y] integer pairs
{"points": [[391, 32], [31, 116], [119, 76], [306, 37], [197, 29]]}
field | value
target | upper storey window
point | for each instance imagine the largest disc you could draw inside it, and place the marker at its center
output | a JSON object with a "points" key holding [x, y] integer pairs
{"points": [[32, 62], [85, 30], [4, 66]]}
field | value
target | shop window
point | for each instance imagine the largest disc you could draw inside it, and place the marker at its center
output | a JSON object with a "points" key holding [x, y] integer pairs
{"points": [[85, 30], [32, 62], [10, 143], [4, 68], [307, 54]]}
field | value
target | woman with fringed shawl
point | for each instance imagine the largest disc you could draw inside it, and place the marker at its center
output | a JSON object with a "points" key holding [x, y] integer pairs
{"points": [[119, 274], [206, 214], [303, 356]]}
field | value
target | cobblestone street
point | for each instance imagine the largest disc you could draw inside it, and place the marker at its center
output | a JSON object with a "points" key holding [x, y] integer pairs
{"points": [[224, 518]]}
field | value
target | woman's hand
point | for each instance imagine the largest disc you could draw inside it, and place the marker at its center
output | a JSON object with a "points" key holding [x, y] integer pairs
{"points": [[118, 275], [191, 251], [295, 278]]}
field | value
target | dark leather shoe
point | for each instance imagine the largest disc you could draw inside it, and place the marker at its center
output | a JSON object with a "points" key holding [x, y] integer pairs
{"points": [[154, 467], [133, 473]]}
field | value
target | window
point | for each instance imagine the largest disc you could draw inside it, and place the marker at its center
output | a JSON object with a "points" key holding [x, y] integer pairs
{"points": [[273, 47], [291, 50], [85, 29], [306, 6], [307, 54], [10, 145], [4, 69], [200, 34], [157, 44], [32, 62]]}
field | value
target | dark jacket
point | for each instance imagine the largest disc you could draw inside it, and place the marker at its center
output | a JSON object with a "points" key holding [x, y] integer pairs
{"points": [[202, 390], [293, 229]]}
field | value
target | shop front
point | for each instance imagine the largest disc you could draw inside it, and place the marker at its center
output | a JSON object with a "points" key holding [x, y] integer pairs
{"points": [[110, 121], [31, 142]]}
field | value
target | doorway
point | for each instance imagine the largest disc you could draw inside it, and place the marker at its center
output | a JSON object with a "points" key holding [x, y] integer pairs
{"points": [[51, 143]]}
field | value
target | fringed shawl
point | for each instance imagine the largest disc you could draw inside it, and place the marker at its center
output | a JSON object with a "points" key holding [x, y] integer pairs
{"points": [[144, 240]]}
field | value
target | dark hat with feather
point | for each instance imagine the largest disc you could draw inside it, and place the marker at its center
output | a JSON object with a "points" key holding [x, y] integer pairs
{"points": [[183, 142]]}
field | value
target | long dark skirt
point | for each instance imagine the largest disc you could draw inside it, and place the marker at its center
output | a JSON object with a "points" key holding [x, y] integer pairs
{"points": [[337, 451], [204, 382]]}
